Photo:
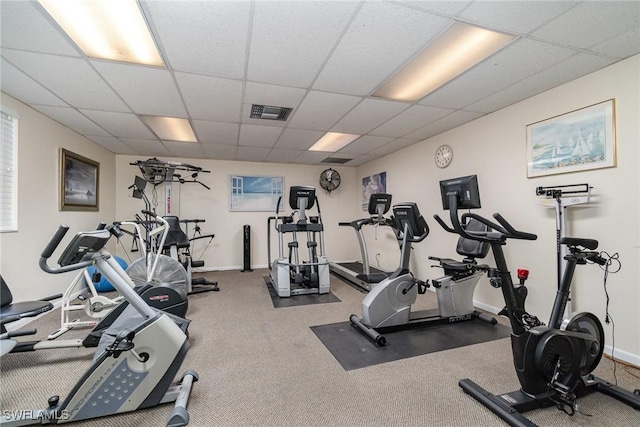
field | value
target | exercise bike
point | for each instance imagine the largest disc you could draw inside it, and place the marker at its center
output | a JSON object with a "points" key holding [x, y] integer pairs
{"points": [[388, 306], [137, 357], [553, 363]]}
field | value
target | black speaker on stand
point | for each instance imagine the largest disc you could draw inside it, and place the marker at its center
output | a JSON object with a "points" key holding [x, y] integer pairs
{"points": [[246, 248]]}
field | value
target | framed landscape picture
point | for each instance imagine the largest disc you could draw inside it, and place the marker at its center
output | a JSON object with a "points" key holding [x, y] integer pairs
{"points": [[79, 182], [576, 141]]}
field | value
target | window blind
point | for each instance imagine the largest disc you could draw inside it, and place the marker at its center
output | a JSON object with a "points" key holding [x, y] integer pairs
{"points": [[9, 172]]}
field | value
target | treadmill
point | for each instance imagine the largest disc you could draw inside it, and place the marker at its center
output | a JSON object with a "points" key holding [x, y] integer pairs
{"points": [[361, 274]]}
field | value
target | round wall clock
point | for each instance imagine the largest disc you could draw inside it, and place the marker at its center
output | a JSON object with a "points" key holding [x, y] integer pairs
{"points": [[444, 155], [329, 179]]}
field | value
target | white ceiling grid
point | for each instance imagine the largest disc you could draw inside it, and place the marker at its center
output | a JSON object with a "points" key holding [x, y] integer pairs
{"points": [[324, 59]]}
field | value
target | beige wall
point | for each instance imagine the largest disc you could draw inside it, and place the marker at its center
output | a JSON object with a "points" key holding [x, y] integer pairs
{"points": [[493, 147], [225, 252], [39, 143]]}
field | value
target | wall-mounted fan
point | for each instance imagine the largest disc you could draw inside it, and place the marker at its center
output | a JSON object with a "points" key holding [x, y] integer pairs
{"points": [[329, 180]]}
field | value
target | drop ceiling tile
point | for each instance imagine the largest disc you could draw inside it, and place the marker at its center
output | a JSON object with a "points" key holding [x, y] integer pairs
{"points": [[258, 136], [298, 138], [43, 35], [147, 90], [392, 147], [361, 160], [220, 152], [253, 154], [369, 114], [365, 144], [188, 150], [455, 119], [121, 125], [381, 37], [565, 71], [622, 46], [291, 40], [211, 98], [216, 132], [517, 61], [204, 37], [265, 94], [409, 120], [71, 118], [85, 89], [149, 148], [451, 8], [112, 144], [321, 110], [15, 83], [279, 155], [312, 157], [590, 21], [516, 17]]}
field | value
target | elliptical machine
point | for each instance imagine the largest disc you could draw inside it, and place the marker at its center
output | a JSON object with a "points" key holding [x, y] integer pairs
{"points": [[388, 306], [137, 357], [554, 362], [288, 274]]}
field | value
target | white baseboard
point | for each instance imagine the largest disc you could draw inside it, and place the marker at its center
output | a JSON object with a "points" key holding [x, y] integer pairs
{"points": [[621, 355], [227, 268]]}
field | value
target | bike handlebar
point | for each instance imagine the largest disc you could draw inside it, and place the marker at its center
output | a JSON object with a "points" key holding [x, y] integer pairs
{"points": [[51, 247], [502, 231], [54, 242]]}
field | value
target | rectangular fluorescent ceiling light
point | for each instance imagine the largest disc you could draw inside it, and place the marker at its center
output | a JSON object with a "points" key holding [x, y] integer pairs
{"points": [[333, 141], [106, 29], [454, 51], [170, 128]]}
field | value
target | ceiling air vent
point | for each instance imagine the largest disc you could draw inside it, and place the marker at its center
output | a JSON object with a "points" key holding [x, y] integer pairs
{"points": [[336, 160], [269, 112]]}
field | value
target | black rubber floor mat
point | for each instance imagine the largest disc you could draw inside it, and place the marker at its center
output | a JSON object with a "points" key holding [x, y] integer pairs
{"points": [[353, 350], [297, 300]]}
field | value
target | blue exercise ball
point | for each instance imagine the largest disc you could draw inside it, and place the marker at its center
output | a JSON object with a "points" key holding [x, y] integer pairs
{"points": [[104, 285]]}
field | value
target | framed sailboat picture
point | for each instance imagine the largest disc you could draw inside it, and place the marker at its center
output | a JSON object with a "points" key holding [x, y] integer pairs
{"points": [[580, 140]]}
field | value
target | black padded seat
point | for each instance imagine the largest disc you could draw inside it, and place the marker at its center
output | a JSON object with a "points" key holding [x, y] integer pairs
{"points": [[470, 249], [22, 309], [175, 236]]}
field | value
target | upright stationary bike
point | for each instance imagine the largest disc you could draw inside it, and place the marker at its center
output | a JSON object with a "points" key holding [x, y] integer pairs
{"points": [[554, 362]]}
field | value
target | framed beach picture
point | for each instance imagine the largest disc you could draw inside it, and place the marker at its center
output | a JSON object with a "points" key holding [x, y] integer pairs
{"points": [[79, 182], [255, 193], [576, 141]]}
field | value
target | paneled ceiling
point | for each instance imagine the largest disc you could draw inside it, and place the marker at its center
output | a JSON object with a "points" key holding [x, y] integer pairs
{"points": [[324, 59]]}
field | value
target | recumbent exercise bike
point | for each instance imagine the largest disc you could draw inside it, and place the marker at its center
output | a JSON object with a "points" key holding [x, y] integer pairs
{"points": [[137, 357]]}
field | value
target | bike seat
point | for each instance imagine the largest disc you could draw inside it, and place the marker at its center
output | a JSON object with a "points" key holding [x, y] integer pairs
{"points": [[590, 244]]}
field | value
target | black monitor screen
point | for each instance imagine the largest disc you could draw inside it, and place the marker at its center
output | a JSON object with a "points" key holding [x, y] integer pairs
{"points": [[379, 204], [299, 192], [408, 213], [466, 189], [139, 186]]}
